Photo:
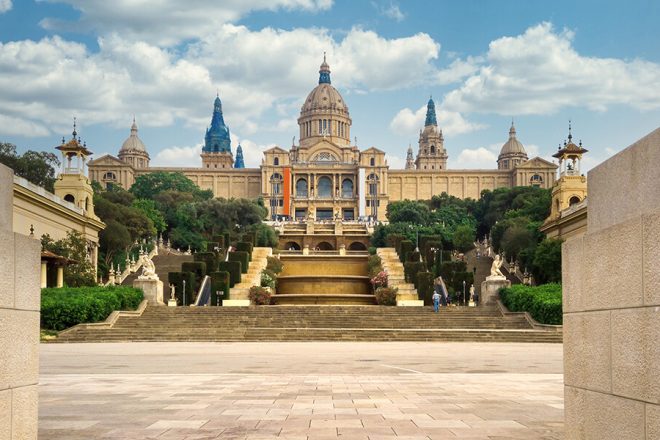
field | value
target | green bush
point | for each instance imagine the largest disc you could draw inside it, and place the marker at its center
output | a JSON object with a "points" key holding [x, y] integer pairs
{"points": [[411, 269], [209, 258], [65, 307], [268, 278], [374, 265], [542, 302], [220, 239], [372, 250], [414, 256], [274, 264], [243, 258], [259, 296], [425, 287], [406, 247], [196, 267], [386, 296], [394, 240], [177, 278], [211, 246], [249, 237], [425, 240], [234, 269], [245, 246], [219, 283]]}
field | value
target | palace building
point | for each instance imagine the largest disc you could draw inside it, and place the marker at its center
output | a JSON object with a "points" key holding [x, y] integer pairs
{"points": [[326, 176]]}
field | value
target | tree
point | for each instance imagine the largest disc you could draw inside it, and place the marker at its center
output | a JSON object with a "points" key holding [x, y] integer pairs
{"points": [[113, 240], [148, 208], [148, 186], [37, 167], [464, 237], [408, 211], [73, 247], [547, 261], [515, 239]]}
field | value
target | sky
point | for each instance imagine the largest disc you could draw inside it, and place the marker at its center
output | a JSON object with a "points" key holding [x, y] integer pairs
{"points": [[485, 63]]}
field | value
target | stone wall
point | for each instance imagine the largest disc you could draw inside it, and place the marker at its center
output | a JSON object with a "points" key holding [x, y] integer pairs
{"points": [[19, 322], [611, 280]]}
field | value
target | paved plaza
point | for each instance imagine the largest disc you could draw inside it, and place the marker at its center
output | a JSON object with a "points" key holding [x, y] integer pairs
{"points": [[301, 391]]}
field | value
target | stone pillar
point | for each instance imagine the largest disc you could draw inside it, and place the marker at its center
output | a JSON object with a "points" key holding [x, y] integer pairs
{"points": [[19, 322], [152, 288], [60, 276], [490, 289], [611, 304], [44, 274]]}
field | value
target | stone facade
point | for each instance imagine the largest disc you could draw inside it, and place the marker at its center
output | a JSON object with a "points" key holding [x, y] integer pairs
{"points": [[326, 175], [19, 322], [611, 304]]}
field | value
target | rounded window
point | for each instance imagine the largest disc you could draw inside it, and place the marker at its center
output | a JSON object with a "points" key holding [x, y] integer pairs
{"points": [[325, 187]]}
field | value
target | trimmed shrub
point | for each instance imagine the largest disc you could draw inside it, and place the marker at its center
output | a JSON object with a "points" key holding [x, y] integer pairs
{"points": [[374, 265], [220, 239], [234, 269], [259, 296], [248, 237], [197, 267], [177, 278], [386, 296], [372, 250], [268, 278], [414, 256], [65, 307], [219, 283], [244, 246], [425, 239], [542, 302], [209, 258], [226, 240], [406, 247], [211, 246], [243, 257], [274, 264], [411, 269], [425, 287], [394, 240]]}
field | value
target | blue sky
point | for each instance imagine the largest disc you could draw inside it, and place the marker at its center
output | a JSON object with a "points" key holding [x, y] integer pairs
{"points": [[484, 62]]}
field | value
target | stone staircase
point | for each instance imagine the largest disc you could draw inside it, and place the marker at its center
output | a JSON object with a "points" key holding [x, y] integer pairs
{"points": [[315, 323], [164, 264], [407, 294], [239, 293]]}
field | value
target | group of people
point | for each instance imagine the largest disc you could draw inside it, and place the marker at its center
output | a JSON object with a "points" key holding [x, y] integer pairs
{"points": [[441, 296]]}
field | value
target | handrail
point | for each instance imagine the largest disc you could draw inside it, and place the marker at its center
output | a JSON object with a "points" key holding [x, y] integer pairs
{"points": [[204, 292]]}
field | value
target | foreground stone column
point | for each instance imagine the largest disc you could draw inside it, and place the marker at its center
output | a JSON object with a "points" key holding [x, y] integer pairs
{"points": [[611, 294], [152, 288], [44, 274], [19, 322], [490, 289]]}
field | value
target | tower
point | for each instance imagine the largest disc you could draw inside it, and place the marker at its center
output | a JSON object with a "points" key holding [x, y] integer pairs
{"points": [[239, 157], [512, 153], [72, 184], [216, 152], [410, 161], [431, 154], [571, 186], [133, 151]]}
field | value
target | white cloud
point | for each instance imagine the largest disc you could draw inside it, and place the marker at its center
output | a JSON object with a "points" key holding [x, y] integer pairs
{"points": [[5, 5], [540, 72], [13, 126], [178, 157], [395, 162], [452, 123], [253, 153], [168, 22], [479, 158], [458, 70], [390, 10]]}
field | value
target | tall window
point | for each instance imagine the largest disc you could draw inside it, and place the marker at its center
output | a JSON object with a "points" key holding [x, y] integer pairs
{"points": [[301, 188], [276, 161], [347, 188], [325, 187], [276, 182], [372, 162]]}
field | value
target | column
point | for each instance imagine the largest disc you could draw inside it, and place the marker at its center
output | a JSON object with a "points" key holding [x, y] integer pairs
{"points": [[60, 276], [44, 275]]}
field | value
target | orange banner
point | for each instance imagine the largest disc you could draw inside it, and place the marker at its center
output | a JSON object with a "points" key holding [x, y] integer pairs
{"points": [[287, 191]]}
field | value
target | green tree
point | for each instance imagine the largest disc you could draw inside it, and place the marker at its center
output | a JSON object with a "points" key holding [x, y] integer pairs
{"points": [[408, 211], [148, 208], [546, 266], [73, 247], [114, 240], [37, 167], [148, 186], [515, 239], [464, 236]]}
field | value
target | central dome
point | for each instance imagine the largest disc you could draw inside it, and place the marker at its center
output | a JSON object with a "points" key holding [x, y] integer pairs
{"points": [[324, 96], [133, 142]]}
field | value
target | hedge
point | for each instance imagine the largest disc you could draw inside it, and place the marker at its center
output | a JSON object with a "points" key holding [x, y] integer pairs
{"points": [[394, 240], [424, 241], [197, 267], [212, 245], [411, 269], [274, 264], [243, 258], [210, 258], [245, 246], [177, 278], [542, 302], [414, 256], [425, 287], [65, 307], [249, 237], [220, 239], [234, 269], [406, 246], [219, 283]]}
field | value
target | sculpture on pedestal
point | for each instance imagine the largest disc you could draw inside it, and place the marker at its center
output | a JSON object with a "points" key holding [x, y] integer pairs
{"points": [[495, 272], [148, 269]]}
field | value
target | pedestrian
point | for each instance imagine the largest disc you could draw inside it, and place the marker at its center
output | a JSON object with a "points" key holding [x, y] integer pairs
{"points": [[436, 302]]}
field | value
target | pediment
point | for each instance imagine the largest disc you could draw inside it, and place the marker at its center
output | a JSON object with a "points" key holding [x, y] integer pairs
{"points": [[372, 150], [276, 150], [107, 160], [537, 162], [325, 149]]}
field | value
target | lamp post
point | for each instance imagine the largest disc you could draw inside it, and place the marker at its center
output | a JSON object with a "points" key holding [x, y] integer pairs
{"points": [[183, 293], [464, 292]]}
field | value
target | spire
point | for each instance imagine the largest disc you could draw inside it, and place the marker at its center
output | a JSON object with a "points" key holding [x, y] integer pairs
{"points": [[239, 157], [324, 72], [134, 128], [570, 135], [217, 138], [430, 113], [75, 133], [410, 161], [512, 130]]}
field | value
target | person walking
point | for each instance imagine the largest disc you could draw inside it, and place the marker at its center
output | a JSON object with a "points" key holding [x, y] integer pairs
{"points": [[436, 301]]}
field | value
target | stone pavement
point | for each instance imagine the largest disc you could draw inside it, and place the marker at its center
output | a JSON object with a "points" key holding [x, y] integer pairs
{"points": [[301, 391]]}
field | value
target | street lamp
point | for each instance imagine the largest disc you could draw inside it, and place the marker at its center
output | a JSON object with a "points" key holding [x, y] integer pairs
{"points": [[463, 292]]}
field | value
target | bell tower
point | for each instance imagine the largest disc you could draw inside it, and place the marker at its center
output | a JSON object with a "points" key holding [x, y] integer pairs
{"points": [[216, 152], [431, 154], [72, 184]]}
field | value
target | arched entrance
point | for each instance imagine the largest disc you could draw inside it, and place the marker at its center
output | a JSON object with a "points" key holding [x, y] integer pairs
{"points": [[357, 246], [291, 246], [325, 246]]}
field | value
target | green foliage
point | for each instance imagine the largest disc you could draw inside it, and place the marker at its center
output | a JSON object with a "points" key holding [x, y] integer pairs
{"points": [[265, 236], [274, 264], [245, 246], [148, 186], [516, 239], [148, 208], [196, 267], [386, 296], [234, 269], [66, 307], [454, 273], [394, 240], [209, 258], [374, 265], [268, 278], [259, 295], [37, 167], [371, 250], [242, 257], [219, 283], [408, 211], [414, 256], [464, 236], [73, 247], [411, 269], [542, 302], [407, 247], [546, 266], [220, 240], [177, 278], [425, 287]]}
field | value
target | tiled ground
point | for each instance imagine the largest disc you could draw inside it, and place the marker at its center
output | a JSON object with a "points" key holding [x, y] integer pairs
{"points": [[392, 402]]}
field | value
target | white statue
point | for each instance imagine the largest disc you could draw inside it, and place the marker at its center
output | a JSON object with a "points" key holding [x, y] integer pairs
{"points": [[495, 268], [148, 269], [172, 292], [472, 292]]}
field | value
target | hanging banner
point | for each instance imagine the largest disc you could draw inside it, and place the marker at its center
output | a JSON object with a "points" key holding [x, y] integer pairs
{"points": [[287, 191], [362, 193]]}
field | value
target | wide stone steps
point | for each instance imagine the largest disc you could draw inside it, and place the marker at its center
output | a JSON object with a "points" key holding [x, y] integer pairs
{"points": [[330, 323]]}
